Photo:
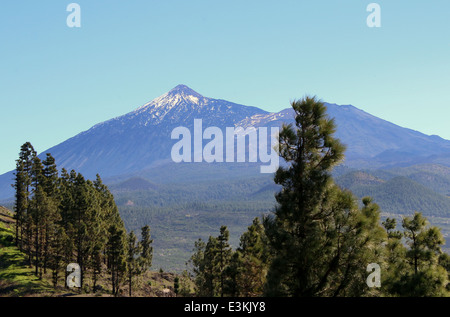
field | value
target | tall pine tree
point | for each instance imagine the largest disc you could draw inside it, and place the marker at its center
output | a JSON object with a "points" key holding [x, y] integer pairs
{"points": [[315, 224]]}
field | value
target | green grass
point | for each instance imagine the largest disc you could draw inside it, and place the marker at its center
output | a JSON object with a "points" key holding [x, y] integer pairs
{"points": [[16, 277]]}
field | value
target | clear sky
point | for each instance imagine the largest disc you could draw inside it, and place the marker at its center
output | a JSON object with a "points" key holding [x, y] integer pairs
{"points": [[57, 81]]}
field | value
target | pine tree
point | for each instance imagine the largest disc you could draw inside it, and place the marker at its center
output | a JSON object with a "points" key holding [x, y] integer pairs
{"points": [[68, 219], [209, 269], [422, 274], [251, 261], [145, 246], [96, 263], [197, 261], [316, 225], [50, 176], [133, 267], [37, 210], [395, 257], [116, 251], [57, 250], [23, 194], [51, 216], [205, 268], [21, 199], [223, 257], [185, 284], [108, 213], [210, 264], [235, 272], [67, 214], [444, 261], [360, 242], [176, 286], [81, 209]]}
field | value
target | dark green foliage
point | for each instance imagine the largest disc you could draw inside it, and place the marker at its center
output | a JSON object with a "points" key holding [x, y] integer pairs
{"points": [[176, 285], [145, 246], [139, 255], [434, 176], [396, 194], [210, 264], [444, 261], [220, 271], [318, 236], [23, 191], [223, 257], [180, 214], [65, 219], [116, 253], [418, 268], [132, 264], [251, 261], [320, 242], [185, 284]]}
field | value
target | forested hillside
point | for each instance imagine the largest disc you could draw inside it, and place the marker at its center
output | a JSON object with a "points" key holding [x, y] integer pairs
{"points": [[304, 232], [69, 229], [180, 210], [319, 241]]}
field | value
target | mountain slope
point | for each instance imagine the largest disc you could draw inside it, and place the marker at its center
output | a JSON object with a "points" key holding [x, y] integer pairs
{"points": [[372, 142], [399, 195], [141, 140]]}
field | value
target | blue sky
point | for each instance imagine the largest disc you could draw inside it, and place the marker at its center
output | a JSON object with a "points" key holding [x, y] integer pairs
{"points": [[57, 81]]}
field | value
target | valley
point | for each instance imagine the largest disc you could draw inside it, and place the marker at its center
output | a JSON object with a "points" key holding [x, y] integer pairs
{"points": [[194, 200]]}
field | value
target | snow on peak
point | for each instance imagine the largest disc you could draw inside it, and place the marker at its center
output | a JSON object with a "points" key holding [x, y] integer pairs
{"points": [[181, 94], [184, 90], [180, 98]]}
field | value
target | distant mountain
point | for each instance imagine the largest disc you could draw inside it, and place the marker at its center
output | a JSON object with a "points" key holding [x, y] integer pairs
{"points": [[372, 142], [141, 140]]}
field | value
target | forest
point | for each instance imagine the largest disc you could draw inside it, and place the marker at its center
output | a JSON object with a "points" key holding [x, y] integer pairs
{"points": [[63, 219], [319, 241]]}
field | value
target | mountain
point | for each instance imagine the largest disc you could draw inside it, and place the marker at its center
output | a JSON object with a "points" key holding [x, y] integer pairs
{"points": [[186, 201], [141, 140], [372, 142]]}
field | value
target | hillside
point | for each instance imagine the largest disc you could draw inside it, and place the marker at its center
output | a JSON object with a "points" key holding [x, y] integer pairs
{"points": [[180, 213], [133, 184], [433, 176], [399, 195], [6, 217], [18, 279]]}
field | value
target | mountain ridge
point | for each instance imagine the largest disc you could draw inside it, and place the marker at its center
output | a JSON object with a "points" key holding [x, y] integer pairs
{"points": [[141, 139]]}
